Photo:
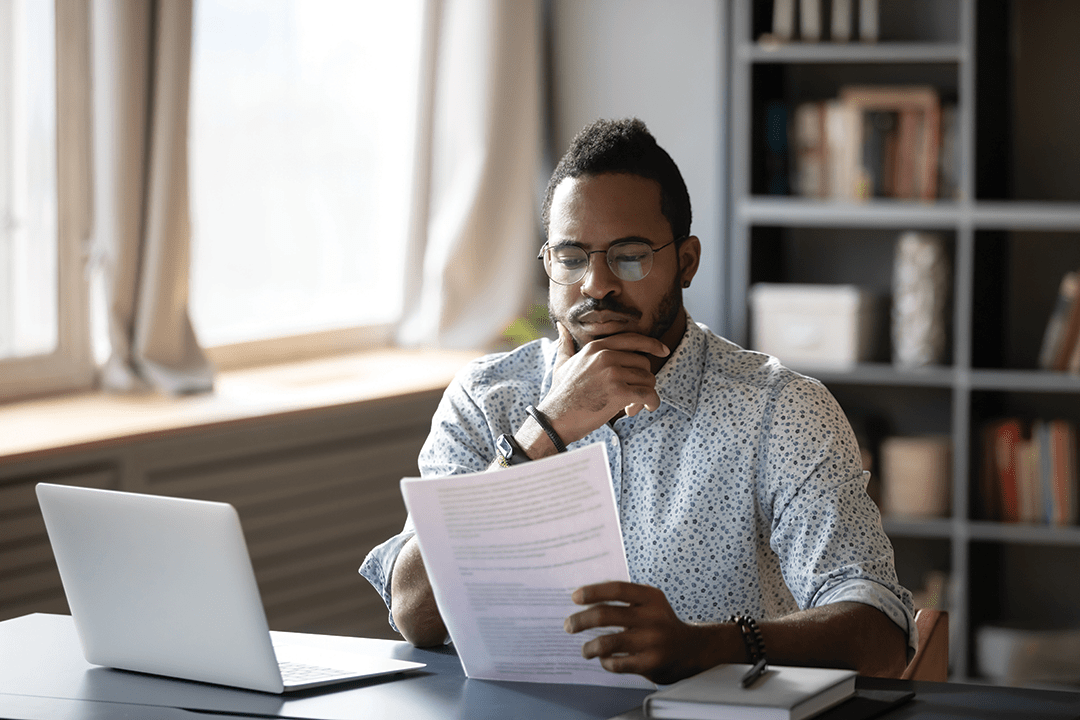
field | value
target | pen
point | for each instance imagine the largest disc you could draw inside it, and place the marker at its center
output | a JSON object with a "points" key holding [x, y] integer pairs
{"points": [[754, 673]]}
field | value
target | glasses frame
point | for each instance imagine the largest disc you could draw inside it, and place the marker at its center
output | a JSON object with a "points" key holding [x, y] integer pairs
{"points": [[606, 253]]}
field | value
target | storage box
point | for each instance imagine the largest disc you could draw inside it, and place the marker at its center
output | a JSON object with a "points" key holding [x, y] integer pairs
{"points": [[827, 326]]}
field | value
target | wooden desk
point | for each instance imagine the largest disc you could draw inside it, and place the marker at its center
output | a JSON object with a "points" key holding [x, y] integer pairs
{"points": [[43, 677]]}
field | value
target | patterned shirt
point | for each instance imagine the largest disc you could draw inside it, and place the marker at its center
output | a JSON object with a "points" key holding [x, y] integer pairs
{"points": [[743, 493]]}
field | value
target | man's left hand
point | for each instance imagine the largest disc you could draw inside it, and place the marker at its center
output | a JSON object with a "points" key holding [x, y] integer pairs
{"points": [[653, 641]]}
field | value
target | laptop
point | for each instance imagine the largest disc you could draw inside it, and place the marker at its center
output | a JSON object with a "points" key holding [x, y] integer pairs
{"points": [[165, 586]]}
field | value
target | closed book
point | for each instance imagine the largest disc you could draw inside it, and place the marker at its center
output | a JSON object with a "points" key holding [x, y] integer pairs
{"points": [[1008, 438], [1054, 335], [781, 693], [1070, 335]]}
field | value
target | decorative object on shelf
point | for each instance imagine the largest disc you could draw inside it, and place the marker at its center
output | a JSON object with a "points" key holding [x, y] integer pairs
{"points": [[1018, 656], [915, 476], [921, 285], [814, 326]]}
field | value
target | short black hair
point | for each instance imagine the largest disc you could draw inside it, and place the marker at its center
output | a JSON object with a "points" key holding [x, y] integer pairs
{"points": [[624, 146]]}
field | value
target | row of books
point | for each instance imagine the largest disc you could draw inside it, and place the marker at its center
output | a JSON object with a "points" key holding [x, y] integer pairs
{"points": [[1029, 472], [874, 141], [807, 20], [1060, 349]]}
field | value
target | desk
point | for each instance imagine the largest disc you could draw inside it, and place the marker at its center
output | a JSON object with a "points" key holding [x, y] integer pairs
{"points": [[43, 677]]}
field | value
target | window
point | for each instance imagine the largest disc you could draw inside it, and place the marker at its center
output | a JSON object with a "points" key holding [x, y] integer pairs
{"points": [[43, 327], [301, 146], [28, 205]]}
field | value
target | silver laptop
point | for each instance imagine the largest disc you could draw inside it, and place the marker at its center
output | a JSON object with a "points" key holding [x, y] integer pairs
{"points": [[165, 585]]}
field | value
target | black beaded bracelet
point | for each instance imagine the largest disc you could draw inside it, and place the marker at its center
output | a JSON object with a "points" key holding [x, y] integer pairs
{"points": [[751, 635], [546, 427]]}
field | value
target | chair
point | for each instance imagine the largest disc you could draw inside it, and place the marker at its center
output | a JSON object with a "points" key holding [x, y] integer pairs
{"points": [[931, 661]]}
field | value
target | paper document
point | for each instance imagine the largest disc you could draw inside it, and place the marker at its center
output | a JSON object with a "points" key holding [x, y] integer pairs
{"points": [[505, 549]]}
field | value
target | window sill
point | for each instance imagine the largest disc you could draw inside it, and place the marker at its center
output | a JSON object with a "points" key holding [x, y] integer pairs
{"points": [[37, 428]]}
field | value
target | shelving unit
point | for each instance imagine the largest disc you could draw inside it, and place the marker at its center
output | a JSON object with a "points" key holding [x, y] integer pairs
{"points": [[1010, 237]]}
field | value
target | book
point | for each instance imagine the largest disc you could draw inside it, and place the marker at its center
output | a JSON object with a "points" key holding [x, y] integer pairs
{"points": [[782, 693], [1070, 331], [783, 25], [868, 20], [1028, 485], [1054, 335], [1008, 435], [840, 21], [809, 155], [810, 20], [1063, 472]]}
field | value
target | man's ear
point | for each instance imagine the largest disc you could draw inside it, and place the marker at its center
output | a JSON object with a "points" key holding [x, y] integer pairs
{"points": [[689, 259]]}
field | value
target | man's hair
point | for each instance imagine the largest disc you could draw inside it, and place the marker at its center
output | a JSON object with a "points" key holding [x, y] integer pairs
{"points": [[624, 146]]}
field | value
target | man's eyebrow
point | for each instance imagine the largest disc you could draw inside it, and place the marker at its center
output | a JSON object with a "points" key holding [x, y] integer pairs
{"points": [[572, 243]]}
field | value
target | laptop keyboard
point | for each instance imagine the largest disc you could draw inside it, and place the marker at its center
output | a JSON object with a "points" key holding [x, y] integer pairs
{"points": [[294, 673]]}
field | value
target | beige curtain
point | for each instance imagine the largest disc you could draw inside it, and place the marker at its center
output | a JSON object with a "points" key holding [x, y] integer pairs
{"points": [[474, 229], [140, 70]]}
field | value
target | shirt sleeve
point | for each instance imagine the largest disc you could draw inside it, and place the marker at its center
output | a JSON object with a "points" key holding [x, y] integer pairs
{"points": [[825, 528]]}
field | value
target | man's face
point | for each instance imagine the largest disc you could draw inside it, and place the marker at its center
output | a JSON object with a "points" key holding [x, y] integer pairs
{"points": [[594, 212]]}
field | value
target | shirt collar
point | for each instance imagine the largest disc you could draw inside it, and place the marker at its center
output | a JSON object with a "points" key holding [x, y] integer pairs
{"points": [[679, 382]]}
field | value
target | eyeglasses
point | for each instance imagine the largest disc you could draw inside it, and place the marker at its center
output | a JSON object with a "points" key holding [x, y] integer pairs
{"points": [[630, 260]]}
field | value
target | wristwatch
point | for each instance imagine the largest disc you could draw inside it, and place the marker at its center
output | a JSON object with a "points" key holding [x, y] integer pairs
{"points": [[510, 453]]}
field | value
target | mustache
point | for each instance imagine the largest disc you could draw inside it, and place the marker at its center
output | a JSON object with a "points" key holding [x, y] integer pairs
{"points": [[605, 303]]}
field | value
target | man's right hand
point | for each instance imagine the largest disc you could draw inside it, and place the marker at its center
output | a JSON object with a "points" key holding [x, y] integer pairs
{"points": [[601, 380]]}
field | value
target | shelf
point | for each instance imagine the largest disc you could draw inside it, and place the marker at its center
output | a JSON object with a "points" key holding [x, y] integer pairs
{"points": [[884, 212], [1025, 381], [853, 52], [939, 528], [1012, 215], [1025, 534], [883, 374], [802, 212]]}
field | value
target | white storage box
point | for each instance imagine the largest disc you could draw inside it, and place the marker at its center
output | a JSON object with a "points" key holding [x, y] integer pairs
{"points": [[826, 326]]}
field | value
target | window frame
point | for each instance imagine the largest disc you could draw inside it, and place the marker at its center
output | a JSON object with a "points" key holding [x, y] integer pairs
{"points": [[70, 365]]}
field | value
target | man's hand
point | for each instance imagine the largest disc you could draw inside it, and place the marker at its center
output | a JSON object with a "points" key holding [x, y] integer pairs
{"points": [[653, 642], [606, 377]]}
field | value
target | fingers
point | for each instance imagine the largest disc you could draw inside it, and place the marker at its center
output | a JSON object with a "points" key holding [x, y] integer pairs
{"points": [[632, 342], [614, 591]]}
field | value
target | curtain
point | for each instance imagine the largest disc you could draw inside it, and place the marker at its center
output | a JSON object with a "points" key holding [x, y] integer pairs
{"points": [[140, 244], [474, 226]]}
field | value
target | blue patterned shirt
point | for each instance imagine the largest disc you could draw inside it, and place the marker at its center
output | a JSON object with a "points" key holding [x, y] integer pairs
{"points": [[743, 493]]}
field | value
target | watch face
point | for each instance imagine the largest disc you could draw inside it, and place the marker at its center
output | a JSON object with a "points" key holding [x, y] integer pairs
{"points": [[502, 444]]}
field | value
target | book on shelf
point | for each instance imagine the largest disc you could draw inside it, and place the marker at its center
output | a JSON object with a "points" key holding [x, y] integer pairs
{"points": [[1054, 335], [783, 20], [810, 20], [1029, 472], [781, 693], [1063, 328], [868, 20], [840, 21], [871, 141]]}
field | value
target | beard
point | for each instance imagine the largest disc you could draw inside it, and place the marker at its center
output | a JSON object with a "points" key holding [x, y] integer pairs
{"points": [[667, 312]]}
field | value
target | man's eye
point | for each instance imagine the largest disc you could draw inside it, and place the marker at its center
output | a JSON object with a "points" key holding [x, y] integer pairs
{"points": [[627, 257], [570, 262]]}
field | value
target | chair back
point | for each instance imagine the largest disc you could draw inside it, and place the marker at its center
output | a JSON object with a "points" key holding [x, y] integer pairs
{"points": [[931, 661]]}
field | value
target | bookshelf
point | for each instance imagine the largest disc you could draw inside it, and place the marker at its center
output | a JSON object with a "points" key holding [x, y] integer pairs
{"points": [[1011, 227]]}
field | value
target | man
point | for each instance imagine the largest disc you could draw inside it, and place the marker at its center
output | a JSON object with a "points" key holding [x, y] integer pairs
{"points": [[739, 484]]}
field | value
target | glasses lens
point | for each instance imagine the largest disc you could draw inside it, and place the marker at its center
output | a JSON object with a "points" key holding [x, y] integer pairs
{"points": [[630, 261], [566, 264]]}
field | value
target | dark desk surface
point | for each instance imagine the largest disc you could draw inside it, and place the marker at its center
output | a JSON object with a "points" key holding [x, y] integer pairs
{"points": [[43, 677]]}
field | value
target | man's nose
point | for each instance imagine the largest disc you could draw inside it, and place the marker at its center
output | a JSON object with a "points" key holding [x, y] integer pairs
{"points": [[599, 280]]}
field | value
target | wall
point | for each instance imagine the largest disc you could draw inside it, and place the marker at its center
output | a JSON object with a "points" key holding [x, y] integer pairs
{"points": [[664, 63]]}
